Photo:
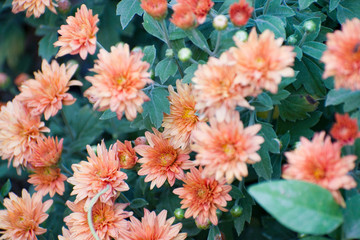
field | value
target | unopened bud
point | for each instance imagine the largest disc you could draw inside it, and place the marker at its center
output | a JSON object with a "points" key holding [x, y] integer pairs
{"points": [[22, 77], [292, 39], [236, 211], [169, 53], [140, 141], [220, 22], [202, 225], [4, 80], [309, 26], [64, 6], [242, 35], [179, 213], [184, 54]]}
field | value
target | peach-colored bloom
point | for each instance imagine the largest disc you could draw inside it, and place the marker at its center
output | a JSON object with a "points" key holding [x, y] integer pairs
{"points": [[262, 60], [224, 148], [154, 227], [125, 154], [319, 161], [45, 152], [240, 13], [33, 7], [183, 17], [21, 78], [92, 176], [342, 57], [345, 130], [65, 234], [18, 130], [48, 91], [120, 77], [182, 119], [48, 180], [108, 220], [23, 215], [79, 35], [199, 7], [155, 8], [161, 161], [202, 196]]}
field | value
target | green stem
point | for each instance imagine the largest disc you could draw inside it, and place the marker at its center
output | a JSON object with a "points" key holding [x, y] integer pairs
{"points": [[67, 125], [65, 169], [99, 45], [266, 7], [217, 45], [126, 200], [304, 36], [193, 61]]}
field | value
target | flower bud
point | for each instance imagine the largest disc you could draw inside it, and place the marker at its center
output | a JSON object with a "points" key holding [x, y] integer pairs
{"points": [[309, 26], [64, 6], [169, 53], [140, 141], [155, 8], [125, 154], [184, 54], [179, 213], [292, 39], [22, 77], [242, 35], [4, 80], [236, 211], [220, 22], [202, 225], [240, 13]]}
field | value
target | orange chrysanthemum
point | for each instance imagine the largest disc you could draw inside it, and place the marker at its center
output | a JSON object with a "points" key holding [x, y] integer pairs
{"points": [[199, 7], [120, 77], [154, 227], [33, 7], [125, 154], [18, 130], [224, 148], [155, 8], [48, 180], [22, 216], [319, 161], [48, 91], [262, 60], [202, 196], [161, 161], [342, 57], [240, 13], [79, 35], [108, 220], [182, 120], [65, 234], [92, 176], [45, 152], [345, 130], [183, 17]]}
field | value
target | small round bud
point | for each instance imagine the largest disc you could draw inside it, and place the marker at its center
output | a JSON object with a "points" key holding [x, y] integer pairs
{"points": [[302, 235], [169, 53], [4, 80], [137, 49], [22, 77], [64, 6], [179, 213], [236, 211], [184, 54], [220, 22], [140, 141], [309, 26], [219, 213], [292, 39], [242, 35], [201, 225]]}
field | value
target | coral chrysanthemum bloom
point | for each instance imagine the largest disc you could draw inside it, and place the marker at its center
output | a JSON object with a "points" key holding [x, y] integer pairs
{"points": [[154, 227], [33, 7], [182, 119], [108, 220], [262, 60], [345, 130], [161, 161], [183, 17], [342, 57], [120, 77], [48, 180], [240, 13], [45, 152], [22, 216], [48, 91], [319, 161], [79, 35], [18, 130], [202, 196], [92, 176], [155, 8], [125, 154], [199, 7], [65, 234]]}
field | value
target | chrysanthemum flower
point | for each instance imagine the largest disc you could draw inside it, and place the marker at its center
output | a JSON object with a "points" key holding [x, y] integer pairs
{"points": [[108, 220], [319, 161], [154, 227], [345, 130], [342, 57], [262, 60], [33, 7], [48, 180], [120, 77], [92, 176], [45, 152], [79, 35], [48, 91], [199, 7], [155, 8], [18, 130], [125, 154], [224, 148], [202, 196], [22, 216], [161, 161], [240, 13], [183, 17], [182, 119], [65, 234]]}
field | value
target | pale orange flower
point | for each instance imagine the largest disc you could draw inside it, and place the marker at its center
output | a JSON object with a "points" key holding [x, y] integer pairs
{"points": [[21, 78], [79, 35], [202, 196], [161, 161], [199, 7], [240, 13], [48, 180], [108, 220], [224, 148], [92, 176], [48, 91], [33, 7], [22, 216], [65, 234], [182, 119], [125, 154], [345, 130], [45, 152], [154, 227], [319, 161], [117, 85], [262, 60], [155, 8], [342, 57], [18, 130], [183, 17]]}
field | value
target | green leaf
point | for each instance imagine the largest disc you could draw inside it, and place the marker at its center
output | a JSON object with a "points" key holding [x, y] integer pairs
{"points": [[157, 105], [352, 218], [350, 99], [189, 73], [262, 102], [305, 3], [152, 27], [348, 9], [127, 9], [274, 24], [297, 107], [314, 49], [292, 204], [108, 33], [333, 4], [165, 68], [107, 115], [268, 133], [213, 232], [263, 168], [5, 189], [246, 203], [197, 38], [280, 95], [149, 54], [46, 46], [299, 52], [236, 193], [138, 203], [276, 9]]}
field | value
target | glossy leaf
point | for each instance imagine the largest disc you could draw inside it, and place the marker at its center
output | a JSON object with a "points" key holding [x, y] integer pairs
{"points": [[274, 24], [352, 218], [157, 105], [305, 3], [165, 68], [127, 10]]}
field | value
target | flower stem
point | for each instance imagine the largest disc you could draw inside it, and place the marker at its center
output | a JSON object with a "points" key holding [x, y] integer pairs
{"points": [[65, 169], [266, 7], [304, 36], [67, 125], [126, 200], [99, 45], [217, 45]]}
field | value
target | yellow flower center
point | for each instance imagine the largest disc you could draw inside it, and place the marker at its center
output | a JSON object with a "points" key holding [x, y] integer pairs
{"points": [[229, 149], [319, 174], [201, 193], [98, 218], [121, 80], [123, 159], [166, 159]]}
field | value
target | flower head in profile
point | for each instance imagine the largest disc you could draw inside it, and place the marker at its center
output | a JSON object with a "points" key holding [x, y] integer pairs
{"points": [[240, 13], [199, 7], [345, 130], [183, 17], [45, 152], [155, 8], [33, 7], [18, 131], [48, 180], [125, 154], [319, 161], [161, 161], [92, 176], [342, 57], [224, 148], [48, 91], [117, 85], [202, 196], [23, 215], [79, 35], [65, 234], [154, 226], [108, 220]]}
